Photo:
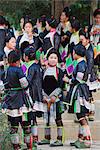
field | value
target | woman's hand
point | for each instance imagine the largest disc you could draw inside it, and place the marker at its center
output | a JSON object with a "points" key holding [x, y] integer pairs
{"points": [[53, 99], [65, 79], [45, 99]]}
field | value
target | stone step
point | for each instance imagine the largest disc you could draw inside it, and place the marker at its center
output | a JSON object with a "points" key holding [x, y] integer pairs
{"points": [[95, 146], [71, 128]]}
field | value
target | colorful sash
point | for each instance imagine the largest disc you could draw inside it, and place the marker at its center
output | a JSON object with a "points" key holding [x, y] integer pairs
{"points": [[96, 50], [63, 52], [70, 65], [26, 65]]}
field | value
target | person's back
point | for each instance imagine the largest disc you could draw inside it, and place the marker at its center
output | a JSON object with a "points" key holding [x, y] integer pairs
{"points": [[2, 45], [2, 42], [13, 77], [3, 35]]}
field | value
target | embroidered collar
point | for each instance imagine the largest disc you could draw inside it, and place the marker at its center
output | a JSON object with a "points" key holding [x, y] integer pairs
{"points": [[1, 27], [7, 50], [80, 59], [25, 37], [28, 64], [87, 46], [53, 30], [51, 71]]}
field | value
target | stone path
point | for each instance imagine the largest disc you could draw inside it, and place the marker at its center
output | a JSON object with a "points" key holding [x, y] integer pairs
{"points": [[95, 146]]}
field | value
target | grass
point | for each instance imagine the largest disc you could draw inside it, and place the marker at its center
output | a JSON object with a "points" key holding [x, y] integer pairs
{"points": [[5, 142]]}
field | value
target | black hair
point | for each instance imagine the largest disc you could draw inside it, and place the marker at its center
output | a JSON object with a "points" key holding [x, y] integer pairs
{"points": [[2, 20], [7, 24], [75, 24], [43, 20], [85, 34], [52, 51], [27, 21], [35, 30], [96, 12], [24, 45], [9, 35], [80, 50], [52, 22], [67, 11], [13, 57], [30, 52], [23, 17]]}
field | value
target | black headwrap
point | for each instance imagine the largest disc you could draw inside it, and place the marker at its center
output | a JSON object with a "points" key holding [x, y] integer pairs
{"points": [[80, 50]]}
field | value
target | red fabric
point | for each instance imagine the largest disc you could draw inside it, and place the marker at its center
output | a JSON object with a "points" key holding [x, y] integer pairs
{"points": [[12, 64]]}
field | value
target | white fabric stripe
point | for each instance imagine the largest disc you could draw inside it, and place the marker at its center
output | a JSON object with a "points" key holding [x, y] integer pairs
{"points": [[38, 106], [34, 130], [25, 38], [16, 112], [59, 131], [93, 85], [51, 71], [79, 76], [14, 138], [56, 93], [51, 36], [23, 81], [27, 139]]}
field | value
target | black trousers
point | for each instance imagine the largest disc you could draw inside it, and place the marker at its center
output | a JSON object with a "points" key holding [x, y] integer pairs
{"points": [[15, 121], [83, 113]]}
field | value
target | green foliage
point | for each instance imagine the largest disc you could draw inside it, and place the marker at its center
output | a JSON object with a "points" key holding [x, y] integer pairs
{"points": [[81, 10], [5, 142], [13, 10]]}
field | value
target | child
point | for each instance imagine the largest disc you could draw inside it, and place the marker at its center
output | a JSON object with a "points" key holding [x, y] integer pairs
{"points": [[17, 103], [92, 83], [78, 97], [34, 76], [52, 92]]}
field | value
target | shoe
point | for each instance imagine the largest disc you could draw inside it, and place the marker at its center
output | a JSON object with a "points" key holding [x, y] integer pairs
{"points": [[56, 143], [91, 119], [73, 143], [82, 145], [76, 120], [91, 116], [34, 147], [44, 142]]}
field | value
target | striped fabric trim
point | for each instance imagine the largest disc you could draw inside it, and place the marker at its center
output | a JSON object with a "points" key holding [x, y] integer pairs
{"points": [[16, 112]]}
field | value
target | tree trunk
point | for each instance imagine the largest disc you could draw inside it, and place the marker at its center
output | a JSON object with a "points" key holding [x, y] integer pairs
{"points": [[58, 6], [94, 5]]}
